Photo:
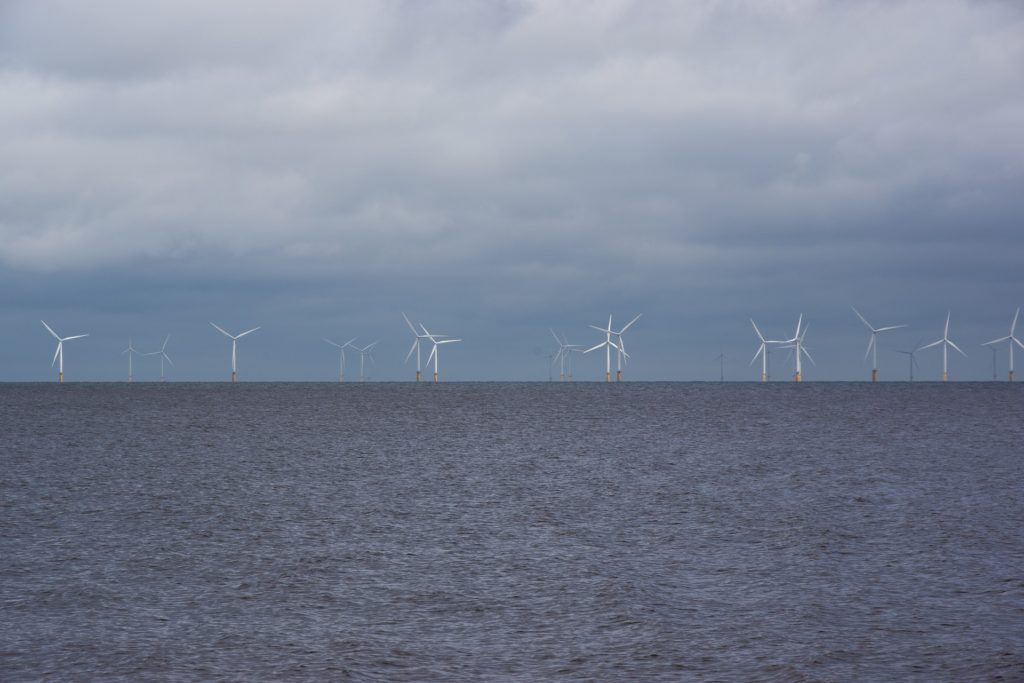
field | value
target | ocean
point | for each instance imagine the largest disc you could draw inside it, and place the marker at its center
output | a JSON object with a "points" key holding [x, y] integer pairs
{"points": [[512, 532]]}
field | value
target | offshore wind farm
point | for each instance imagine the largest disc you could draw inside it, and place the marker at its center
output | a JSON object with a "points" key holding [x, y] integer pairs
{"points": [[529, 340]]}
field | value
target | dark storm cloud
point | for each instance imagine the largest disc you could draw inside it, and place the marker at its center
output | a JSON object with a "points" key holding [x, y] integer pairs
{"points": [[540, 161]]}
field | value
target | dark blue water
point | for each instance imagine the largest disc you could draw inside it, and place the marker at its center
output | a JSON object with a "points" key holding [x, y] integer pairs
{"points": [[785, 532]]}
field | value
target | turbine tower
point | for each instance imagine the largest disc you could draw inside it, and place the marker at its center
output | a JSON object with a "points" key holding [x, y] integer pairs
{"points": [[163, 356], [763, 350], [130, 350], [797, 343], [436, 340], [60, 349], [1010, 338], [873, 343], [416, 344], [946, 343], [234, 342], [341, 347]]}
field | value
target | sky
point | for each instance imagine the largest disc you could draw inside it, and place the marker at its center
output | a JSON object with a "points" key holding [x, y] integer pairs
{"points": [[495, 169]]}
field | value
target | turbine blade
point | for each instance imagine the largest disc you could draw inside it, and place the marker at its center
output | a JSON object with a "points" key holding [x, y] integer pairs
{"points": [[557, 340], [433, 351], [760, 350], [863, 320], [629, 323], [946, 333], [55, 354], [77, 336], [1013, 325], [50, 329], [595, 348], [412, 349], [871, 342], [1018, 342], [247, 332], [928, 346], [808, 354], [757, 331], [996, 341], [447, 341], [890, 327], [221, 330], [599, 329], [409, 323], [956, 347], [168, 359], [330, 342]]}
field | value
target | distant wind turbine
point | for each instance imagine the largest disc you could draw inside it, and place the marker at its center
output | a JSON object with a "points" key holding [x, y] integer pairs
{"points": [[363, 353], [797, 343], [416, 344], [608, 345], [60, 349], [564, 349], [130, 351], [341, 347], [1010, 338], [911, 359], [873, 343], [436, 340], [946, 343], [763, 350], [163, 356], [234, 342]]}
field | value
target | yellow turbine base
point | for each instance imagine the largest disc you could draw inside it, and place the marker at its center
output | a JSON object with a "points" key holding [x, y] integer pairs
{"points": [[945, 377], [796, 377], [618, 375], [60, 378], [607, 377], [874, 375], [417, 375], [764, 377], [1011, 376], [435, 378], [232, 376]]}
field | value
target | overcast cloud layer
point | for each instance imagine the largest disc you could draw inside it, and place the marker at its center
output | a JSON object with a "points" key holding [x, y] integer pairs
{"points": [[496, 168]]}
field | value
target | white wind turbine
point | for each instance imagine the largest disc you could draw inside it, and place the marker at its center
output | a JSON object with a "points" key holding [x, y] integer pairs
{"points": [[946, 343], [163, 356], [873, 343], [436, 340], [363, 353], [608, 345], [1010, 338], [416, 344], [564, 349], [130, 350], [60, 349], [341, 347], [234, 342], [797, 343], [763, 350]]}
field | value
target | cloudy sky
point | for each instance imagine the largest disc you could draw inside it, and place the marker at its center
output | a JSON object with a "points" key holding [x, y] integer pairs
{"points": [[494, 169]]}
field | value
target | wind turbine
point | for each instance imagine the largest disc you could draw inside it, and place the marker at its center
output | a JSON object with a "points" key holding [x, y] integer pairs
{"points": [[163, 356], [608, 345], [416, 344], [564, 349], [620, 348], [797, 343], [946, 343], [234, 342], [873, 343], [60, 349], [763, 351], [1010, 338], [130, 350], [436, 340], [363, 353], [912, 360], [341, 373]]}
